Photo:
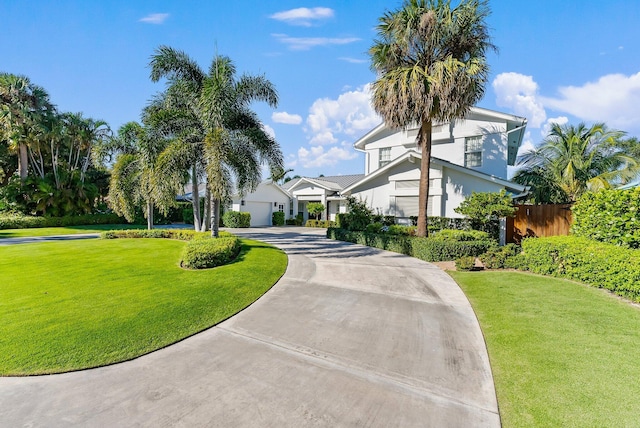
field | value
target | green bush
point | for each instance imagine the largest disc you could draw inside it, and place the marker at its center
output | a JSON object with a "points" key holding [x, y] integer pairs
{"points": [[277, 218], [20, 221], [466, 263], [501, 257], [595, 263], [428, 249], [291, 222], [209, 253], [461, 235], [180, 234], [375, 227], [319, 223], [609, 216], [235, 219]]}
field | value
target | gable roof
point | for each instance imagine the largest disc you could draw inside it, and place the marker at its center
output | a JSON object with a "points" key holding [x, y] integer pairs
{"points": [[415, 157], [377, 132], [333, 183]]}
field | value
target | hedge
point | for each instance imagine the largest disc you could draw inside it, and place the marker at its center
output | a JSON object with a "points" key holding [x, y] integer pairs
{"points": [[595, 263], [209, 253], [319, 223], [236, 219], [427, 249], [609, 216], [277, 218], [201, 251], [19, 221]]}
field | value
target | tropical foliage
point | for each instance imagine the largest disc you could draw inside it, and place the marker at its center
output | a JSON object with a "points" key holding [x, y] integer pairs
{"points": [[485, 209], [54, 153], [574, 159], [216, 134], [431, 65]]}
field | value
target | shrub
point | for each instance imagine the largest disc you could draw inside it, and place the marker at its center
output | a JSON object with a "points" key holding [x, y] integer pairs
{"points": [[277, 218], [209, 253], [291, 222], [180, 234], [466, 263], [460, 235], [439, 223], [315, 209], [358, 217], [485, 210], [235, 219], [20, 221], [428, 249], [398, 229], [609, 216], [319, 223], [595, 263], [375, 227], [501, 257]]}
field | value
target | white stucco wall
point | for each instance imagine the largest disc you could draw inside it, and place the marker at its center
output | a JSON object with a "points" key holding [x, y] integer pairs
{"points": [[266, 199], [457, 186]]}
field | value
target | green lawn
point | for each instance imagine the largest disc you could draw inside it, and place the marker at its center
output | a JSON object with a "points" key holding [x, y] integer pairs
{"points": [[562, 354], [78, 304], [69, 230]]}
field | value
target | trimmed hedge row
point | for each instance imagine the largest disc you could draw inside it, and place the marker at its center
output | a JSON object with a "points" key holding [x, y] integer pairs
{"points": [[236, 219], [201, 251], [427, 249], [208, 253], [319, 223], [595, 263], [25, 222]]}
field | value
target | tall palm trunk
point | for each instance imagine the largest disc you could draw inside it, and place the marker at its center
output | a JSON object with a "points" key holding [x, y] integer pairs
{"points": [[149, 215], [215, 222], [195, 198], [424, 139], [23, 161], [207, 210]]}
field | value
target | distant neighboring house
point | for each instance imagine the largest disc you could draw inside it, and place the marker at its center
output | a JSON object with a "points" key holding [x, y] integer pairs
{"points": [[469, 155]]}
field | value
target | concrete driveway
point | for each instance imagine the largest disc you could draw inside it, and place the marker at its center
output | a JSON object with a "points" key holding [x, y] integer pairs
{"points": [[350, 336]]}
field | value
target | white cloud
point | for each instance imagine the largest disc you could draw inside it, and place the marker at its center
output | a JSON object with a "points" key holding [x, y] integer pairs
{"points": [[286, 118], [613, 99], [303, 16], [546, 128], [353, 60], [306, 43], [317, 156], [350, 114], [269, 130], [155, 18], [520, 93]]}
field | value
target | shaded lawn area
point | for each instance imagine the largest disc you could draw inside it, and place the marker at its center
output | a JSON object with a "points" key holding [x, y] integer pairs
{"points": [[562, 354], [68, 230], [78, 304]]}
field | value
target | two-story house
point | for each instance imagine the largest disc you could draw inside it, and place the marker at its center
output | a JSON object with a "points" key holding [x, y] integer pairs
{"points": [[469, 155]]}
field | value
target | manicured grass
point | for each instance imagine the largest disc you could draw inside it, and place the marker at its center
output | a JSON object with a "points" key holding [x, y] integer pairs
{"points": [[78, 304], [69, 230], [562, 354]]}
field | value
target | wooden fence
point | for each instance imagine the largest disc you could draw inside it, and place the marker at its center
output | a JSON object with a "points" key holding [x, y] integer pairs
{"points": [[539, 220]]}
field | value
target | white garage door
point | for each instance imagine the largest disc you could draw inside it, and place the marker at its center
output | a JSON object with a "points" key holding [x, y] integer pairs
{"points": [[260, 213]]}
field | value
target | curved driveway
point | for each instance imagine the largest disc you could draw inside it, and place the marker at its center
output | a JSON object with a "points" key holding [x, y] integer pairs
{"points": [[350, 336]]}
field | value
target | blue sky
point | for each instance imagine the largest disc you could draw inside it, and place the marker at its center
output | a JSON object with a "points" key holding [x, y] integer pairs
{"points": [[560, 62]]}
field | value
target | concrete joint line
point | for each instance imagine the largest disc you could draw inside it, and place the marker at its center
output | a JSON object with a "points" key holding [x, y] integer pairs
{"points": [[398, 381]]}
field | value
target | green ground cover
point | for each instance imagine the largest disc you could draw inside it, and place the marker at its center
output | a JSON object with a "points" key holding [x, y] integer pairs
{"points": [[69, 230], [562, 354], [77, 304]]}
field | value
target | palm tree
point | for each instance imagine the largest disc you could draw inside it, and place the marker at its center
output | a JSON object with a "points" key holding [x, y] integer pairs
{"points": [[215, 117], [22, 105], [136, 179], [574, 159], [431, 64]]}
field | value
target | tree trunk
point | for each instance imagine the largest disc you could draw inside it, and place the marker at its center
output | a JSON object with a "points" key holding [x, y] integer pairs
{"points": [[195, 198], [149, 215], [23, 161], [215, 222], [424, 141], [207, 210]]}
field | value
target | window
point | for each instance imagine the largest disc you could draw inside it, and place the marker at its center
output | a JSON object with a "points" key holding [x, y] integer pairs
{"points": [[384, 156], [281, 208], [473, 152]]}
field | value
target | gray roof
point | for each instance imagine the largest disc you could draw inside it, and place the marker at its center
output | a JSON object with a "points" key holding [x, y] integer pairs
{"points": [[334, 182]]}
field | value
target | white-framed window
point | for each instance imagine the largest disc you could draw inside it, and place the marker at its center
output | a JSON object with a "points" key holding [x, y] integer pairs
{"points": [[281, 208], [384, 156], [473, 151]]}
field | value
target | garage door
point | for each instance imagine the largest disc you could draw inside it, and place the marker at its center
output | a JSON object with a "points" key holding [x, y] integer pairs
{"points": [[260, 213]]}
